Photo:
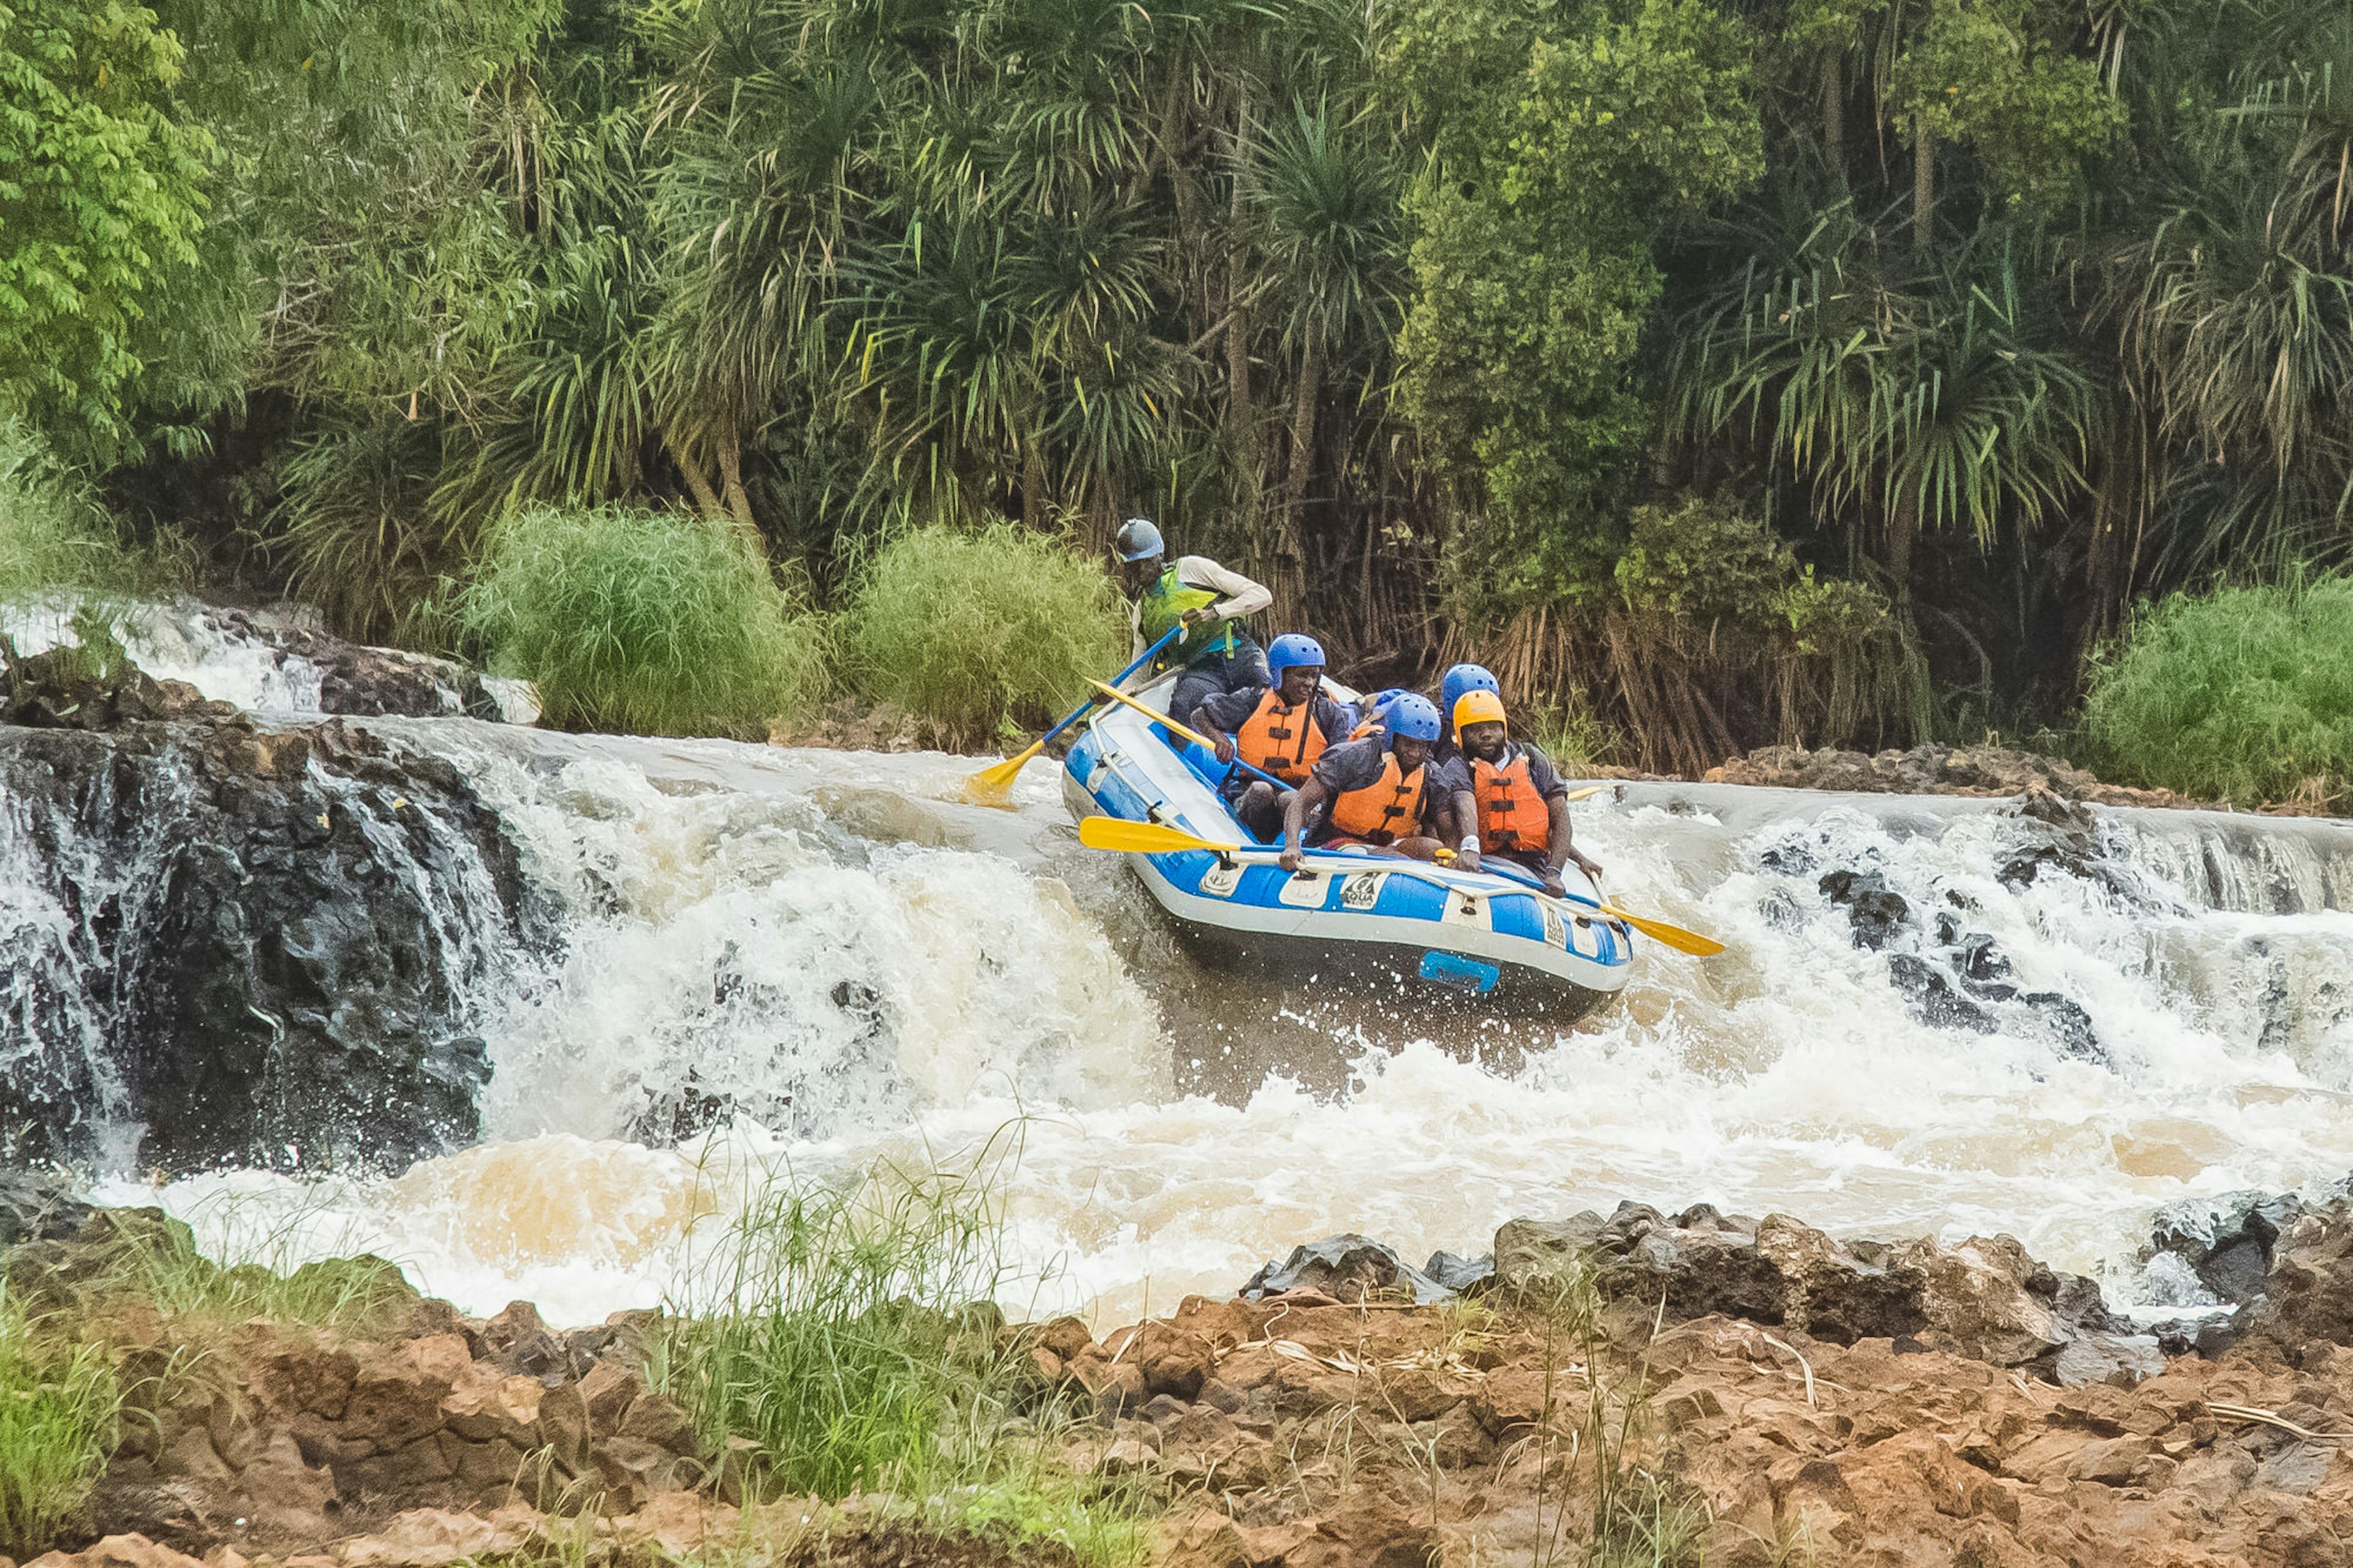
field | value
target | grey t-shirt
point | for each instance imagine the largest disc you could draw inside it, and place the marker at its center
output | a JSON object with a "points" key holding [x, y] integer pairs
{"points": [[1358, 764]]}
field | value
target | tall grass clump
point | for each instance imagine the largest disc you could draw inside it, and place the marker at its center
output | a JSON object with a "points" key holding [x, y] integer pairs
{"points": [[59, 1411], [54, 537], [980, 630], [2243, 695], [847, 1329], [656, 623]]}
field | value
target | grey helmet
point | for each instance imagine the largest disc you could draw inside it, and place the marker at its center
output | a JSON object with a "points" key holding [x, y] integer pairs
{"points": [[1138, 539]]}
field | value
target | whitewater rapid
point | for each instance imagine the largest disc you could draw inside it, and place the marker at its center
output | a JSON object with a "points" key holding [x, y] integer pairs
{"points": [[780, 965]]}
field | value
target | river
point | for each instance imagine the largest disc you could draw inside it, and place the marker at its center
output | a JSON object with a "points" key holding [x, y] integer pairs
{"points": [[851, 964]]}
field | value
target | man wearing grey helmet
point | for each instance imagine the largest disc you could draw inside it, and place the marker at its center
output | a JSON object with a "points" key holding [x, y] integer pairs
{"points": [[1195, 592]]}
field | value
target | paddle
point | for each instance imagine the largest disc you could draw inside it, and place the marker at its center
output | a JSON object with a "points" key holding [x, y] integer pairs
{"points": [[989, 786], [1158, 839], [1173, 727]]}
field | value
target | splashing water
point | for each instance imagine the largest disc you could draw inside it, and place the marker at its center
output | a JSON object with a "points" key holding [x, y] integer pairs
{"points": [[777, 960]]}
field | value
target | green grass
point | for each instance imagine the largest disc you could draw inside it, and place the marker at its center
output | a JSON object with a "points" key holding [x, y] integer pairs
{"points": [[2243, 694], [979, 632], [140, 1255], [60, 1411], [847, 1330], [656, 623], [54, 537]]}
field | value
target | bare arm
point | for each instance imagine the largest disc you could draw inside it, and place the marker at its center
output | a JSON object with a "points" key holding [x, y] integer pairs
{"points": [[1296, 808], [1218, 738], [1461, 807], [1564, 846]]}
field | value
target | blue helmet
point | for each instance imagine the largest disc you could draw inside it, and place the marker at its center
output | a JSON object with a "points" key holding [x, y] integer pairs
{"points": [[1378, 703], [1461, 678], [1138, 539], [1292, 648], [1415, 718]]}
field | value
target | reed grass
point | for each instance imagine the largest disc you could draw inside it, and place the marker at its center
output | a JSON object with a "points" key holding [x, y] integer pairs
{"points": [[980, 631], [848, 1328], [655, 623], [59, 1417], [2245, 694]]}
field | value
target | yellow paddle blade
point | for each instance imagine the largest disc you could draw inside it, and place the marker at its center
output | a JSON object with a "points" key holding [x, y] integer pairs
{"points": [[1140, 838], [1681, 940], [993, 784], [1585, 793]]}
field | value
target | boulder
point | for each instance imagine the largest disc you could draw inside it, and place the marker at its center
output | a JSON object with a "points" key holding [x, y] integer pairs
{"points": [[1346, 1267], [38, 1205], [2226, 1240], [1934, 769], [1875, 912], [250, 945], [2307, 1299], [1983, 1298]]}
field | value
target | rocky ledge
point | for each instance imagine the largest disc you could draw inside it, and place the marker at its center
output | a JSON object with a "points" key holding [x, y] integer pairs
{"points": [[1932, 770], [1743, 1393], [240, 942]]}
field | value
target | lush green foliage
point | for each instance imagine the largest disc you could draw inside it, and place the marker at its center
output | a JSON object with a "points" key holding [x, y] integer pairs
{"points": [[645, 621], [2017, 315], [2245, 694], [981, 631], [59, 1410], [99, 195]]}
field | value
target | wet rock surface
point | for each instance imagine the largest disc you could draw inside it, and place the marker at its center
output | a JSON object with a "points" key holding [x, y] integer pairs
{"points": [[360, 681], [1932, 770], [1984, 1298], [253, 945]]}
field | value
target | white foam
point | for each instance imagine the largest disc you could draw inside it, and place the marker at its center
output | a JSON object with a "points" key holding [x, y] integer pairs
{"points": [[739, 921]]}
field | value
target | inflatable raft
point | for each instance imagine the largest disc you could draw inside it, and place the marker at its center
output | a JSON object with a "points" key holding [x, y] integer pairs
{"points": [[1484, 937]]}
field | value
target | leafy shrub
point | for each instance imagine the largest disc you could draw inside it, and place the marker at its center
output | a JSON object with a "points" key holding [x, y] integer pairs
{"points": [[58, 1415], [977, 631], [659, 623], [2243, 694]]}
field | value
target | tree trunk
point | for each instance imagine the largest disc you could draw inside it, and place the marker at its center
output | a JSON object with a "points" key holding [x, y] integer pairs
{"points": [[732, 486], [1303, 434], [1902, 526], [1242, 411], [697, 480], [1833, 116], [1923, 188]]}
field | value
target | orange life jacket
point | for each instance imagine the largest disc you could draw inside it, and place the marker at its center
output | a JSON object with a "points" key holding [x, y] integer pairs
{"points": [[1284, 741], [1379, 812], [1511, 815]]}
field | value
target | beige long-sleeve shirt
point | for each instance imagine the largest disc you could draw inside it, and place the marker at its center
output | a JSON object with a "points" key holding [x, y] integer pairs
{"points": [[1241, 595]]}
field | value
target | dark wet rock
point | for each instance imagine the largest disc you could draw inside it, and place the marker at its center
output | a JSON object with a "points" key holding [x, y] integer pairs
{"points": [[1934, 770], [255, 946], [1984, 1298], [38, 1205], [1875, 913], [90, 685], [2227, 1240], [1346, 1267], [360, 681], [2070, 1025], [1979, 959], [1459, 1275], [2307, 1297], [1935, 1001]]}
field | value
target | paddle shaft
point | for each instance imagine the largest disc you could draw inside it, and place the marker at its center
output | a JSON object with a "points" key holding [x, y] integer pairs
{"points": [[1194, 736], [1083, 709]]}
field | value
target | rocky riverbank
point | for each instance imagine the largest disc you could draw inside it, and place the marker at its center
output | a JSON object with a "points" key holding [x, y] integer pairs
{"points": [[1691, 1388]]}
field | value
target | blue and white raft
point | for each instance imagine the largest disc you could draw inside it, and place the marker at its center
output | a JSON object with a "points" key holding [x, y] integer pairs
{"points": [[1487, 937]]}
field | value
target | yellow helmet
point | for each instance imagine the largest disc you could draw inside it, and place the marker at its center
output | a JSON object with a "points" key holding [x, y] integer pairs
{"points": [[1477, 708]]}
